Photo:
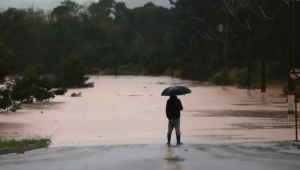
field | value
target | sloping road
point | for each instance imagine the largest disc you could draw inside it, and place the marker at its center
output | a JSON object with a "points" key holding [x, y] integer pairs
{"points": [[156, 157]]}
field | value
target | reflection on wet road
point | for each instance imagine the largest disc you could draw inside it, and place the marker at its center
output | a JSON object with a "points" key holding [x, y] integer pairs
{"points": [[130, 109], [157, 157]]}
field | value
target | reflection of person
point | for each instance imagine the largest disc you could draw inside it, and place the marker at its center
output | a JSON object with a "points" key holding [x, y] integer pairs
{"points": [[173, 109]]}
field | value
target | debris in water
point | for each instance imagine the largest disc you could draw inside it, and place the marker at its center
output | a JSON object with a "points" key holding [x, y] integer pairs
{"points": [[76, 95], [118, 94], [156, 107]]}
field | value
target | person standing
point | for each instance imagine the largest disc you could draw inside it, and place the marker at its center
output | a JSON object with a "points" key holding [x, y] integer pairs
{"points": [[173, 109]]}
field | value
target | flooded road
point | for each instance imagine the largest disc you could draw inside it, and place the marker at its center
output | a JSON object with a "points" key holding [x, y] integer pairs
{"points": [[129, 109]]}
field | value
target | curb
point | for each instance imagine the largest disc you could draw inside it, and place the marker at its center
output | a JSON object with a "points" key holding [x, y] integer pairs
{"points": [[19, 150]]}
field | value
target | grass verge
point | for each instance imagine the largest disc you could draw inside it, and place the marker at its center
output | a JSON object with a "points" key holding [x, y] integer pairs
{"points": [[43, 142]]}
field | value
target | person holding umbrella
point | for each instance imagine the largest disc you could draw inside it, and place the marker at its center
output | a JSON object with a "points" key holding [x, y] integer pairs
{"points": [[173, 108]]}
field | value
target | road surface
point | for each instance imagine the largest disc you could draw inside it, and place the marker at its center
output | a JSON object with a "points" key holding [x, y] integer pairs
{"points": [[157, 157]]}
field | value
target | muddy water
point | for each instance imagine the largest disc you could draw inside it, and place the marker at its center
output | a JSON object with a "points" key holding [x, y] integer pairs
{"points": [[130, 109]]}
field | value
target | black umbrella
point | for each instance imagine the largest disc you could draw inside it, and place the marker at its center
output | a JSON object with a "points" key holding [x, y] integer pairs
{"points": [[175, 91]]}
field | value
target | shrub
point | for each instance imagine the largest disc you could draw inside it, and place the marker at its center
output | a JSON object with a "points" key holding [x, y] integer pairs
{"points": [[107, 71], [76, 95], [237, 76], [144, 72], [34, 86], [285, 93], [217, 78], [177, 73], [71, 72], [129, 69], [168, 72]]}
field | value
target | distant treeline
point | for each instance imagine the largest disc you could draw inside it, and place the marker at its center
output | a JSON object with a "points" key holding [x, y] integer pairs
{"points": [[111, 38]]}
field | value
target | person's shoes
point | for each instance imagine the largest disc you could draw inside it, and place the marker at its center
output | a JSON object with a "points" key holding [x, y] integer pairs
{"points": [[179, 143], [169, 139], [178, 139]]}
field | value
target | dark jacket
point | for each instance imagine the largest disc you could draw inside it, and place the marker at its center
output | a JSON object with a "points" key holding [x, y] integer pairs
{"points": [[173, 108]]}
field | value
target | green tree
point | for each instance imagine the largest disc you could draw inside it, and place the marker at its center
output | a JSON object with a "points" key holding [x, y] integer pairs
{"points": [[7, 65], [71, 72], [33, 86], [7, 62]]}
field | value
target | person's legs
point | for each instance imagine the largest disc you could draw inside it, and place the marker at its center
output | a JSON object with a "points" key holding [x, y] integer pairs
{"points": [[178, 132], [170, 129]]}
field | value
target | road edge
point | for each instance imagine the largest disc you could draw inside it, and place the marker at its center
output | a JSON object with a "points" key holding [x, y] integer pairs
{"points": [[20, 150]]}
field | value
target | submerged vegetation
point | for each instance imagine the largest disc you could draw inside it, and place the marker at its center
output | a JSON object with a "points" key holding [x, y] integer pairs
{"points": [[76, 95], [12, 143]]}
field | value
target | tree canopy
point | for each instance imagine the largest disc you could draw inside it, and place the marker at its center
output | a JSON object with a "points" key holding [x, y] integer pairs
{"points": [[145, 40]]}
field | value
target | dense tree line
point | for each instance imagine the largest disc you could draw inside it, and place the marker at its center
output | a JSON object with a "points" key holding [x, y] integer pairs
{"points": [[109, 38]]}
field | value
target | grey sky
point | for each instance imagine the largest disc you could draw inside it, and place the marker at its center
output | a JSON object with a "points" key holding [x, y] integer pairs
{"points": [[49, 4]]}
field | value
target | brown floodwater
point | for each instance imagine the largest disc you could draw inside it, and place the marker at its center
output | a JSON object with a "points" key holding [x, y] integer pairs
{"points": [[129, 109]]}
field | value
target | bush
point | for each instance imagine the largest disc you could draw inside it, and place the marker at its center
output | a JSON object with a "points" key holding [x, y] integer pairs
{"points": [[168, 72], [34, 86], [94, 70], [71, 72], [217, 78], [76, 95], [177, 73], [107, 71], [285, 93], [129, 69], [5, 101], [144, 72], [237, 77], [89, 84], [60, 91]]}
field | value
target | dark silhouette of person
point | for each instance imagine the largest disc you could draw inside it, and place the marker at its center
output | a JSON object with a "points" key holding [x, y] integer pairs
{"points": [[173, 109]]}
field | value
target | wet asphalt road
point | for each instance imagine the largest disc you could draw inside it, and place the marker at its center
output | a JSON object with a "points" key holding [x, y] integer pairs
{"points": [[155, 157]]}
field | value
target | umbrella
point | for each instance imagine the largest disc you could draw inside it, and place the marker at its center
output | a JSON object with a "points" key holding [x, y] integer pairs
{"points": [[175, 91]]}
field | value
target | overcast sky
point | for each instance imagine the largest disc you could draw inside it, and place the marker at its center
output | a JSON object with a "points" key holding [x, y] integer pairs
{"points": [[50, 4]]}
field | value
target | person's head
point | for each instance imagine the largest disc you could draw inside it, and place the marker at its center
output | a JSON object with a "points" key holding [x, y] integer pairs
{"points": [[173, 97]]}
